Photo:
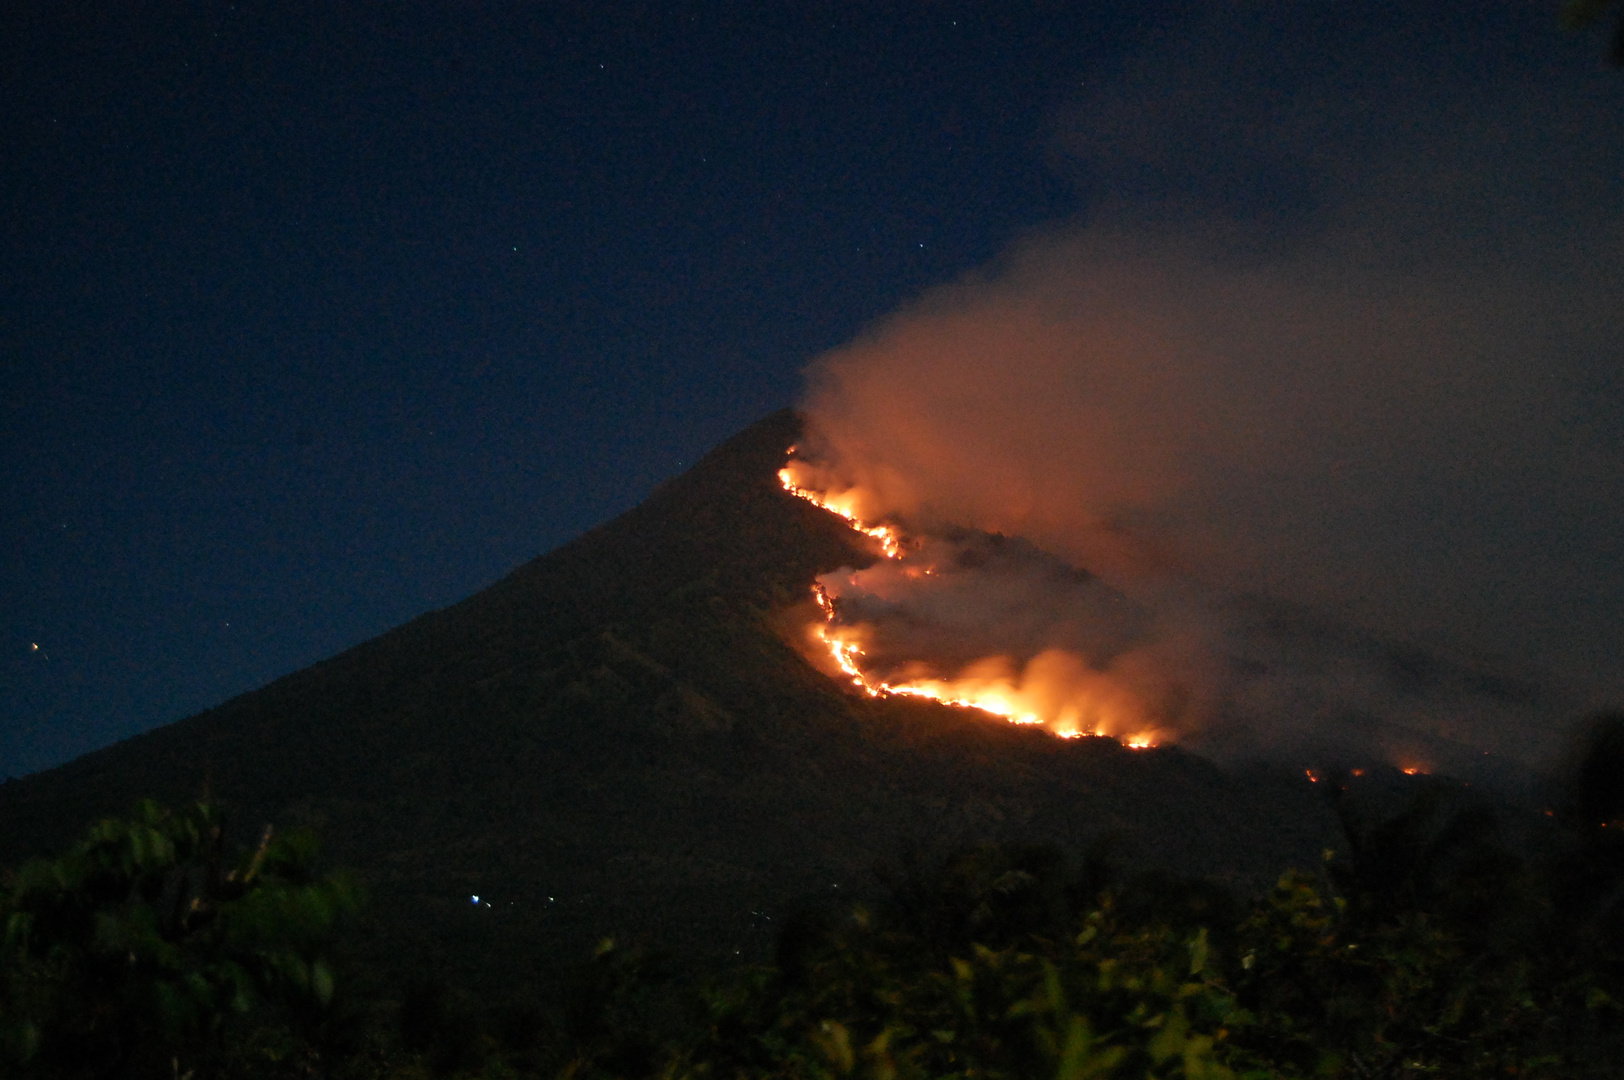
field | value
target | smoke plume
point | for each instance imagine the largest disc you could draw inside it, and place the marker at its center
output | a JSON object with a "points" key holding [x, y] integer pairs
{"points": [[1357, 467]]}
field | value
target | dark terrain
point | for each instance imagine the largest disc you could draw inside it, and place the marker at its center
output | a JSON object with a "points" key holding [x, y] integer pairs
{"points": [[614, 739]]}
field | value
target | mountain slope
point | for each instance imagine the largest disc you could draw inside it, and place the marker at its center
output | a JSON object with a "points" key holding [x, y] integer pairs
{"points": [[614, 737]]}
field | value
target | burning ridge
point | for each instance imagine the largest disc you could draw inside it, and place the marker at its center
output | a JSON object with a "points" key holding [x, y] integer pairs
{"points": [[920, 623], [995, 623]]}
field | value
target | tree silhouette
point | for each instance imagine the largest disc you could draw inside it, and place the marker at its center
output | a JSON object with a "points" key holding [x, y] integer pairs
{"points": [[142, 952]]}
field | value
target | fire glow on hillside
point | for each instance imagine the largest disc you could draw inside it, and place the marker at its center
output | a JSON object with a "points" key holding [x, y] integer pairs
{"points": [[1055, 689]]}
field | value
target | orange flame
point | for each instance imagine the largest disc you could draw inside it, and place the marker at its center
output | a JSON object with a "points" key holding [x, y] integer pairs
{"points": [[989, 685], [890, 542]]}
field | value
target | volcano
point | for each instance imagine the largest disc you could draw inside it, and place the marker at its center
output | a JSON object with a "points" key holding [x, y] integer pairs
{"points": [[619, 737]]}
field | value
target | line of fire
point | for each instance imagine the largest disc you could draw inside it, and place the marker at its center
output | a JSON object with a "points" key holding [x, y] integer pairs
{"points": [[992, 685]]}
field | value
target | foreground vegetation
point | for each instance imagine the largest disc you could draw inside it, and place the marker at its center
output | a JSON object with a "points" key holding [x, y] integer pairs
{"points": [[1447, 940]]}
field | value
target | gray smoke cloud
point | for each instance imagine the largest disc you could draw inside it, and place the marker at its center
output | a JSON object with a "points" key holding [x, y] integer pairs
{"points": [[1369, 441]]}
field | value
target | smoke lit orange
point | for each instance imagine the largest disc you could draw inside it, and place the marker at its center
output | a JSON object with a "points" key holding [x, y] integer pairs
{"points": [[890, 543], [1045, 692]]}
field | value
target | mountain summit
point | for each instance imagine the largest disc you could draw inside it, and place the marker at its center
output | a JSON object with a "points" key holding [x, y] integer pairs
{"points": [[616, 737]]}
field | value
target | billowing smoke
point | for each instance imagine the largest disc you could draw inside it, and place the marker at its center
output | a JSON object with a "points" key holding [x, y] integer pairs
{"points": [[1359, 474], [971, 615]]}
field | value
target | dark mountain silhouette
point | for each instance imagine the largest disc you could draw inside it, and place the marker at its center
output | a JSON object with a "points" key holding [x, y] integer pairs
{"points": [[614, 738]]}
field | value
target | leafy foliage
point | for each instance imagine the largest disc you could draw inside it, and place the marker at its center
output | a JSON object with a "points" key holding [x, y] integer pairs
{"points": [[1435, 944], [140, 952], [1113, 1000], [1384, 981]]}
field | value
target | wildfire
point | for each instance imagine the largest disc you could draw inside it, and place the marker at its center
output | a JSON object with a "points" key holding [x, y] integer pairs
{"points": [[990, 690], [890, 542]]}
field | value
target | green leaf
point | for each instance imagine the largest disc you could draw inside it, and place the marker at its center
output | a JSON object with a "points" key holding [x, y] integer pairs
{"points": [[1198, 952], [321, 982]]}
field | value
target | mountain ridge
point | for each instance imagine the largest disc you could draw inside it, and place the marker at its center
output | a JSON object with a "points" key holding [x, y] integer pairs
{"points": [[615, 737]]}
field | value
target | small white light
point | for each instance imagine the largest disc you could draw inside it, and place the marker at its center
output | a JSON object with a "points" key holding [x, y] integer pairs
{"points": [[476, 899]]}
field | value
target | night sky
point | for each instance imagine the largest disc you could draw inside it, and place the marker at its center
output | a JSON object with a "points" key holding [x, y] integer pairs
{"points": [[317, 317]]}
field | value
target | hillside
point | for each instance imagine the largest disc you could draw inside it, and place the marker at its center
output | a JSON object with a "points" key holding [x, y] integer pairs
{"points": [[614, 738]]}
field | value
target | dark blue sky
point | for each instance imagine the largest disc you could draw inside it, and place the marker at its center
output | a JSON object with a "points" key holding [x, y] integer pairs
{"points": [[315, 317]]}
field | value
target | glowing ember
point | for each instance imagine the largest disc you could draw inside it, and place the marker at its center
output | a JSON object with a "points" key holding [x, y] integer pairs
{"points": [[987, 687]]}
